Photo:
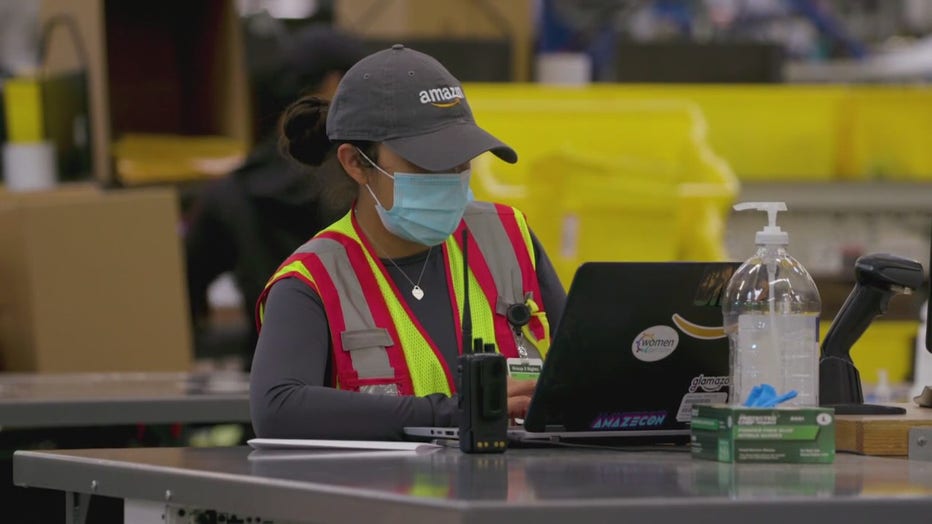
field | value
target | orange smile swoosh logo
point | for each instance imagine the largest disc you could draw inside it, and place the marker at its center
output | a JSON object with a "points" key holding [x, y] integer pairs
{"points": [[448, 104], [696, 331]]}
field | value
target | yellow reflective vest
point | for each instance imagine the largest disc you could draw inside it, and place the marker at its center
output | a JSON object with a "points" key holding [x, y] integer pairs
{"points": [[377, 344]]}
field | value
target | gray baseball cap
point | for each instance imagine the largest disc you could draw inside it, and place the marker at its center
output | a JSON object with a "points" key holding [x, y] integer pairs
{"points": [[408, 101]]}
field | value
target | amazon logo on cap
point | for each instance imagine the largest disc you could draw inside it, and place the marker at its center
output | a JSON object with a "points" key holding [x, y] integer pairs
{"points": [[442, 96]]}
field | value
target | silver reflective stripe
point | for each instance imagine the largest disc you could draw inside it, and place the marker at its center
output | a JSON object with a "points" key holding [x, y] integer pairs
{"points": [[367, 343], [313, 245], [380, 389], [486, 227], [487, 230]]}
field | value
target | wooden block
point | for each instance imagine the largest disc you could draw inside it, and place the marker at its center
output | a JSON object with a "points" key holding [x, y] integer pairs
{"points": [[886, 435]]}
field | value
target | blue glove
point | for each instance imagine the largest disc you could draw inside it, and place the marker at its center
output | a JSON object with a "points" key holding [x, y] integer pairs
{"points": [[765, 396], [791, 394]]}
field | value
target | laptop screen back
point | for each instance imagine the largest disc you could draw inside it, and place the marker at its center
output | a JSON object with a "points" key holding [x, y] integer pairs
{"points": [[638, 344]]}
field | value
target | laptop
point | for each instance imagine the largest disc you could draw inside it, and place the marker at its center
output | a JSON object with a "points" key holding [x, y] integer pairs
{"points": [[639, 344]]}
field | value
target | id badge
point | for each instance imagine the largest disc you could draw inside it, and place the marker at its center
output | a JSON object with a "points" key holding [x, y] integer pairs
{"points": [[524, 368]]}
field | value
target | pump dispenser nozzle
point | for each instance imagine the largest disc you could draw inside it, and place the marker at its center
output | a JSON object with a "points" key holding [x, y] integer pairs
{"points": [[771, 234]]}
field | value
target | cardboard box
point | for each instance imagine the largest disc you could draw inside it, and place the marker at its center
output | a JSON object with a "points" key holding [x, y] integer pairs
{"points": [[737, 434], [92, 281], [173, 67], [513, 20]]}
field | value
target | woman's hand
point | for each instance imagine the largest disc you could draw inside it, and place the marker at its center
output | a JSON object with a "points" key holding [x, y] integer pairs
{"points": [[519, 396]]}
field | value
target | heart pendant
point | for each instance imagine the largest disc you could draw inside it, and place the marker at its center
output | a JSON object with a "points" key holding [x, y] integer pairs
{"points": [[417, 292]]}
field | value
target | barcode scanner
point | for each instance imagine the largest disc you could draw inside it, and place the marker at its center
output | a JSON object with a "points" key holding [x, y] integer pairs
{"points": [[880, 277]]}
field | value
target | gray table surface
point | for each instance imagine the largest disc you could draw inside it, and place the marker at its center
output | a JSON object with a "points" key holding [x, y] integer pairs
{"points": [[98, 399], [522, 486]]}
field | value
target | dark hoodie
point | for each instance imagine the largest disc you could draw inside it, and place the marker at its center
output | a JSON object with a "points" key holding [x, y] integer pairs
{"points": [[250, 221]]}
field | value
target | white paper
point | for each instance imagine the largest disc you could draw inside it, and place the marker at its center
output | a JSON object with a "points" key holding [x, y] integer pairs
{"points": [[291, 454], [285, 443]]}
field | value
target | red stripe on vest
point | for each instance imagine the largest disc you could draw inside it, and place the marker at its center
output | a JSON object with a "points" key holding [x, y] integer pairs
{"points": [[480, 269], [377, 305], [528, 274]]}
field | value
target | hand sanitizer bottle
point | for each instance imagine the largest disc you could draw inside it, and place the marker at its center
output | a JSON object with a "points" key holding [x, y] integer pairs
{"points": [[771, 314]]}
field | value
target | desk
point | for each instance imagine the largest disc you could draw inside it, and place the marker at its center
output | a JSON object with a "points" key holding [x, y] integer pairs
{"points": [[533, 486], [106, 399], [93, 410]]}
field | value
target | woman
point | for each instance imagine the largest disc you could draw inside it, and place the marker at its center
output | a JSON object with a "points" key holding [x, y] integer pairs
{"points": [[250, 220], [361, 327]]}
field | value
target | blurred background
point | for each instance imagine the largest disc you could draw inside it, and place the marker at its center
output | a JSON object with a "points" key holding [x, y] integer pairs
{"points": [[141, 184]]}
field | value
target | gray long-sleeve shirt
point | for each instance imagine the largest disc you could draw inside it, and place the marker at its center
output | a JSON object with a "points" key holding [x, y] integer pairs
{"points": [[291, 394]]}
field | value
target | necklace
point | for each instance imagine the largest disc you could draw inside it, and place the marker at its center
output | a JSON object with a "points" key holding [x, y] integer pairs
{"points": [[416, 290]]}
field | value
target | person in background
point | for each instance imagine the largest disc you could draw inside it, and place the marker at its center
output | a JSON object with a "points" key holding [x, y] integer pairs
{"points": [[251, 219], [362, 326]]}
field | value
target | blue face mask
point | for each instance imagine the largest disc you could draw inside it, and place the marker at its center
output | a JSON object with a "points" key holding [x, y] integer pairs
{"points": [[427, 207]]}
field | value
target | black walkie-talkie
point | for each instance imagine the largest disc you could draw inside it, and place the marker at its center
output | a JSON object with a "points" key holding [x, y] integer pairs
{"points": [[483, 385]]}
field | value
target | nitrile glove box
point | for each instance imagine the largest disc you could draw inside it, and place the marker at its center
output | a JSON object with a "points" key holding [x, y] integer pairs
{"points": [[795, 435]]}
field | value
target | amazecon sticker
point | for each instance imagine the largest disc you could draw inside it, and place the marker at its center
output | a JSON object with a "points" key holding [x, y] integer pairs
{"points": [[632, 420]]}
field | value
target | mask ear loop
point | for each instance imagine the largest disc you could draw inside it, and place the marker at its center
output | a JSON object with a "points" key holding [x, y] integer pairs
{"points": [[379, 169], [371, 192], [373, 164]]}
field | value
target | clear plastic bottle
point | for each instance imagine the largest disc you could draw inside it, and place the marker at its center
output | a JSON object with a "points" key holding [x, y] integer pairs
{"points": [[771, 314]]}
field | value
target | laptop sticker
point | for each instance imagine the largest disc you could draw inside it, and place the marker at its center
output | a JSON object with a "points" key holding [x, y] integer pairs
{"points": [[712, 285], [698, 331], [655, 343], [635, 420], [702, 390]]}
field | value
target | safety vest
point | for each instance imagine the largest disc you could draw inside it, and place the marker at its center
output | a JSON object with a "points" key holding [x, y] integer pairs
{"points": [[378, 345]]}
